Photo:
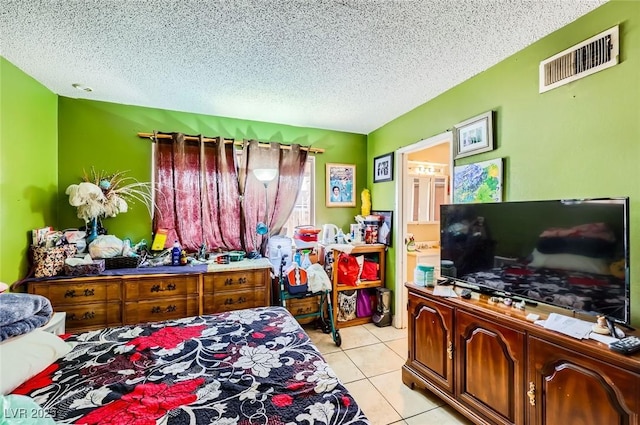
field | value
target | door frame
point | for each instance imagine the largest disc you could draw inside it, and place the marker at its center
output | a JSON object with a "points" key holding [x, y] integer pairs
{"points": [[400, 319]]}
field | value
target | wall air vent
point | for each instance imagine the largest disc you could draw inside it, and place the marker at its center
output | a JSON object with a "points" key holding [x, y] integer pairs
{"points": [[592, 55]]}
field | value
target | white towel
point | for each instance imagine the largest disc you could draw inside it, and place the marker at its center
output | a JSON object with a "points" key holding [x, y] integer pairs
{"points": [[318, 279]]}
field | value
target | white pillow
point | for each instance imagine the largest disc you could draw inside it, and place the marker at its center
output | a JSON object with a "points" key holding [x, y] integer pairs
{"points": [[24, 356], [574, 262]]}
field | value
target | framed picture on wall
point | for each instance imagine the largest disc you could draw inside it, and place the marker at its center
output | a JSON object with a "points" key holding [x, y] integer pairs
{"points": [[341, 185], [478, 182], [473, 136], [386, 225], [383, 168]]}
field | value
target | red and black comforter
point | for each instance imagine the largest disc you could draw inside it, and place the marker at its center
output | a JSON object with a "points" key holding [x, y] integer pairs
{"points": [[254, 366]]}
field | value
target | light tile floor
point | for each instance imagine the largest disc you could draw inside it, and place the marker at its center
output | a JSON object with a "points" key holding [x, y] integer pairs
{"points": [[369, 364]]}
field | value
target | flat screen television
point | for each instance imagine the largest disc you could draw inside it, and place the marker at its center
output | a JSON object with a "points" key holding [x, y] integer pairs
{"points": [[572, 254]]}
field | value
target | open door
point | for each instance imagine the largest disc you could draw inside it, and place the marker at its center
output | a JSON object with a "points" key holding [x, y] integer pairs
{"points": [[414, 210]]}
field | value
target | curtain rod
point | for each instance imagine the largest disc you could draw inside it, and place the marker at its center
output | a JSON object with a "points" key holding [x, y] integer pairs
{"points": [[237, 142]]}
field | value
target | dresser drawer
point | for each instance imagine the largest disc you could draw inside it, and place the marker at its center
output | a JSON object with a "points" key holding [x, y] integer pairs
{"points": [[92, 316], [161, 309], [236, 280], [67, 293], [233, 300], [152, 288]]}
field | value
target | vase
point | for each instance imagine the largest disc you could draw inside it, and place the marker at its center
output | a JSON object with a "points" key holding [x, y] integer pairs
{"points": [[92, 230]]}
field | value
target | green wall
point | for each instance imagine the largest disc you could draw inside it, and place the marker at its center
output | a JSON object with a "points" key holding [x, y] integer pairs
{"points": [[28, 165], [578, 141], [104, 136]]}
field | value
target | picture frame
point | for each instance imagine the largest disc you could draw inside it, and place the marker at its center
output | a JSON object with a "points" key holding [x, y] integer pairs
{"points": [[383, 168], [473, 136], [478, 182], [340, 185], [385, 237]]}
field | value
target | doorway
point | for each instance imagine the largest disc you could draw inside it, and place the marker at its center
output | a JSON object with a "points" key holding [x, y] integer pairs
{"points": [[420, 189]]}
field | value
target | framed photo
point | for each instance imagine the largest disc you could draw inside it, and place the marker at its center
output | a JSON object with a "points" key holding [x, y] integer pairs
{"points": [[478, 182], [383, 168], [473, 136], [384, 231], [341, 185]]}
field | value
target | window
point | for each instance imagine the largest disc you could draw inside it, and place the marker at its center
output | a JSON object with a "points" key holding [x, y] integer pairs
{"points": [[304, 211]]}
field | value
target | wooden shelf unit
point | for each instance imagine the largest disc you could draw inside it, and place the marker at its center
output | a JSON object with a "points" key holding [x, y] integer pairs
{"points": [[365, 249]]}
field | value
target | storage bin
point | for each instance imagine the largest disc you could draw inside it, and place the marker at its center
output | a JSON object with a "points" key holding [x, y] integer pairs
{"points": [[121, 262], [96, 267]]}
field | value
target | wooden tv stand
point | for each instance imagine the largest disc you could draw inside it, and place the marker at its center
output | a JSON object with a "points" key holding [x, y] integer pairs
{"points": [[495, 367]]}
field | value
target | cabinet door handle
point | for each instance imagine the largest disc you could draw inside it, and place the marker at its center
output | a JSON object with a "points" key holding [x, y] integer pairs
{"points": [[532, 393], [450, 350]]}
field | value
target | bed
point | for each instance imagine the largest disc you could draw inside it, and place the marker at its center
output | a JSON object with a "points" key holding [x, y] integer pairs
{"points": [[254, 366]]}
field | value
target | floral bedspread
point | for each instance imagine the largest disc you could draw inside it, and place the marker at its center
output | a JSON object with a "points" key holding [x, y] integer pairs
{"points": [[254, 366]]}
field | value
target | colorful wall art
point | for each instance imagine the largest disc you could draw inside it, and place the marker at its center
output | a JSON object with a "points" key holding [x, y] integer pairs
{"points": [[478, 182]]}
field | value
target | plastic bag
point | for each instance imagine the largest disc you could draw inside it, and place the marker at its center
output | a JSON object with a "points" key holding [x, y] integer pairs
{"points": [[106, 246]]}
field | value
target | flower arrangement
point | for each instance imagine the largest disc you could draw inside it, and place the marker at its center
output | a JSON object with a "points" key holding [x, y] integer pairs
{"points": [[107, 195]]}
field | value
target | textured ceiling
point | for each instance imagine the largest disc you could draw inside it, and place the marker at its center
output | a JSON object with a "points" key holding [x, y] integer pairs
{"points": [[349, 65]]}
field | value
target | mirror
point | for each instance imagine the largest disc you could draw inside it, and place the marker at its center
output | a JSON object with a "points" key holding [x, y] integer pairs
{"points": [[427, 194]]}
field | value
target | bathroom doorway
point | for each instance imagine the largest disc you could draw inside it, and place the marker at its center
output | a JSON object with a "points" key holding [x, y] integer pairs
{"points": [[424, 182]]}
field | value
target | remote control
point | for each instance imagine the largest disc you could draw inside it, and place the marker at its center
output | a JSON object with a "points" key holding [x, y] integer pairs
{"points": [[627, 345], [466, 294]]}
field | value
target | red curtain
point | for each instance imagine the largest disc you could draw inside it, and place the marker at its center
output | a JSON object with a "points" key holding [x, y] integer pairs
{"points": [[202, 196], [273, 204], [197, 193]]}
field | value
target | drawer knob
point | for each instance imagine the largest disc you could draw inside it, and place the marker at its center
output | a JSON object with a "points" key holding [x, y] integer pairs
{"points": [[71, 293], [231, 301], [86, 316], [158, 288], [158, 310]]}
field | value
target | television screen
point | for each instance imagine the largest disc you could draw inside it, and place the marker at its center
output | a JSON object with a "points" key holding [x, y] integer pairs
{"points": [[567, 253]]}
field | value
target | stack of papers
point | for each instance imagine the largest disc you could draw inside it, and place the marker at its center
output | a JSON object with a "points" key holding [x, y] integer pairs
{"points": [[444, 291], [571, 326]]}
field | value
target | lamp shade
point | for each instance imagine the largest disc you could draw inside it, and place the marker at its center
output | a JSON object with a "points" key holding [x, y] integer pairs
{"points": [[265, 175]]}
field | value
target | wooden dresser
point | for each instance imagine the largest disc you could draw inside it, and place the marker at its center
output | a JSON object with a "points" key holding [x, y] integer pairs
{"points": [[95, 302], [495, 367]]}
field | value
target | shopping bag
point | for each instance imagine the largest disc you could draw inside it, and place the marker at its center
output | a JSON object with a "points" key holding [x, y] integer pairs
{"points": [[369, 270], [363, 303], [348, 269], [346, 305], [49, 262]]}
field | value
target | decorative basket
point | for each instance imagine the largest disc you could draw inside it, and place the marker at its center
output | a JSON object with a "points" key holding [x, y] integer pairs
{"points": [[122, 262]]}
